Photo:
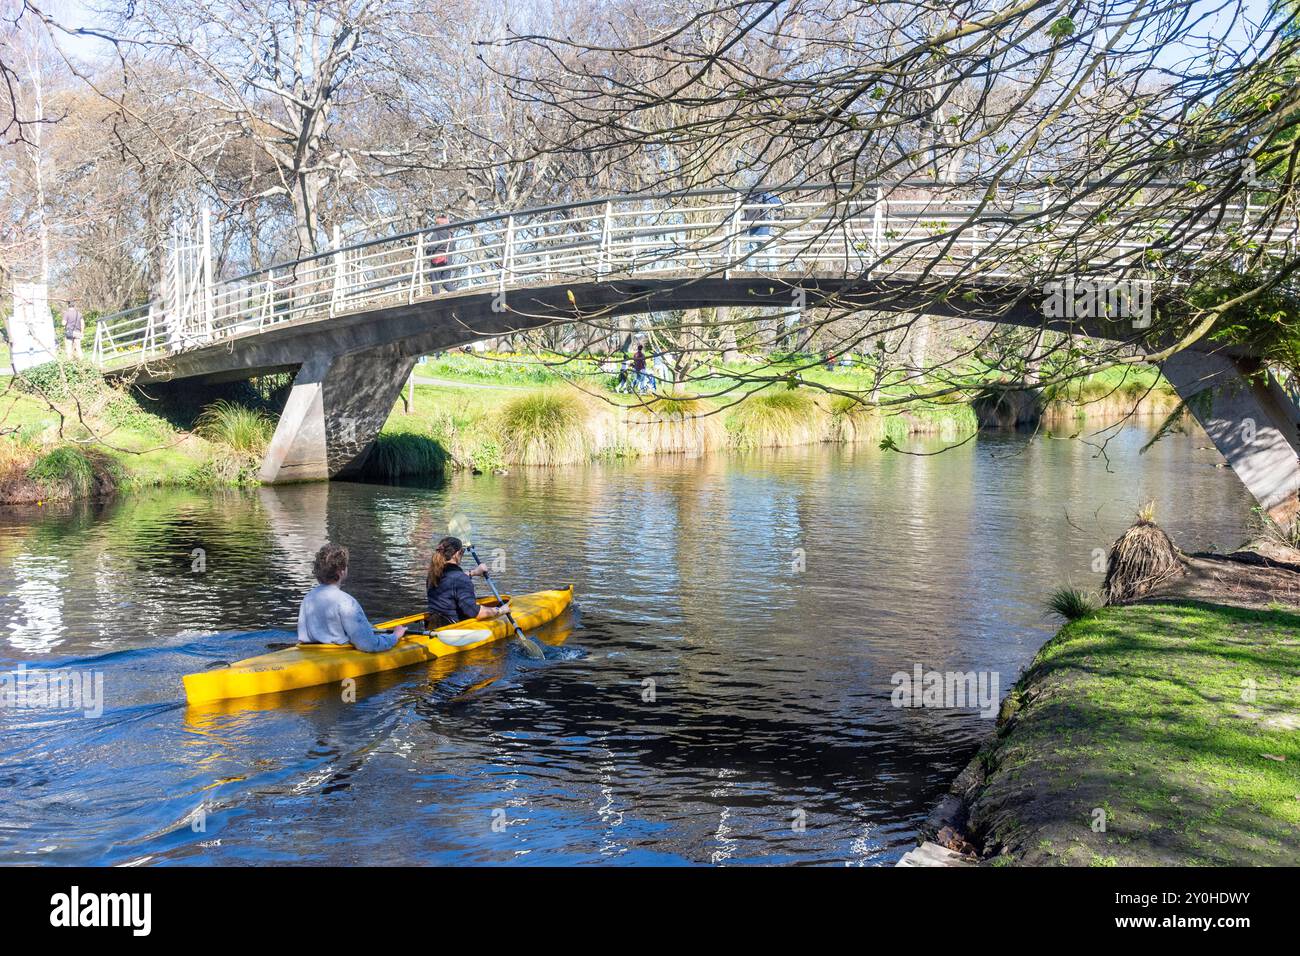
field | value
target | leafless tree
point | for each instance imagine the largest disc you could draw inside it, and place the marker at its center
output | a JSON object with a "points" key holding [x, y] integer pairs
{"points": [[1070, 121]]}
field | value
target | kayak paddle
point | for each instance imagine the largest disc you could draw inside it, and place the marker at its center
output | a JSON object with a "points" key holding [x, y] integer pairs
{"points": [[460, 527], [530, 646]]}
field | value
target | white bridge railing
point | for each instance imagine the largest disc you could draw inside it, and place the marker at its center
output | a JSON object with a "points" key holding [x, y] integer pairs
{"points": [[911, 231]]}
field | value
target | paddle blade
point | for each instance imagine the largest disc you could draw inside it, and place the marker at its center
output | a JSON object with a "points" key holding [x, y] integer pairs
{"points": [[459, 527], [530, 646]]}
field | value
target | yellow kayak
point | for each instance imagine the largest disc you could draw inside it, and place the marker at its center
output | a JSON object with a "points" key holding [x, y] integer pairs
{"points": [[307, 665]]}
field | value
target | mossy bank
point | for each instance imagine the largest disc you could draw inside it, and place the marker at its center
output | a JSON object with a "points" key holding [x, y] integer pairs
{"points": [[1165, 733], [66, 434]]}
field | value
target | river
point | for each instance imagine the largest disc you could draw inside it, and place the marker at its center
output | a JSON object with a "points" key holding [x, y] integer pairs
{"points": [[721, 694]]}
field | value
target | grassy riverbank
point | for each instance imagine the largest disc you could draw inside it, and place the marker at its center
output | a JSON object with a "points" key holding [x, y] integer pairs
{"points": [[65, 434], [488, 428], [1176, 724]]}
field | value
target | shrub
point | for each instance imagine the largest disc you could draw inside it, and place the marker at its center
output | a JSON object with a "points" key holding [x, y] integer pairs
{"points": [[61, 381]]}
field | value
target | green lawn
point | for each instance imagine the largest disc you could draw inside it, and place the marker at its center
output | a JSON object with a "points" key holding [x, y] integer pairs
{"points": [[1178, 722]]}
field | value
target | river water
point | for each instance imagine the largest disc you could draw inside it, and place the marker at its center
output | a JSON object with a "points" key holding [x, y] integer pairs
{"points": [[721, 694]]}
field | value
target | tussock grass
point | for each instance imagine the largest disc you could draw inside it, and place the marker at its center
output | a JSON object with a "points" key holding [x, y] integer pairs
{"points": [[673, 424], [241, 429], [398, 454], [777, 420], [545, 427], [850, 421], [62, 473], [1071, 603]]}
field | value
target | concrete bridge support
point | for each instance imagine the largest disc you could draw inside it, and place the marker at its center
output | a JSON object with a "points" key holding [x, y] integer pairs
{"points": [[1252, 421], [336, 407]]}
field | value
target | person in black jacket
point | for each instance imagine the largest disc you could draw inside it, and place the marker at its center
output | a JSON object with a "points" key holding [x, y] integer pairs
{"points": [[441, 247], [450, 590]]}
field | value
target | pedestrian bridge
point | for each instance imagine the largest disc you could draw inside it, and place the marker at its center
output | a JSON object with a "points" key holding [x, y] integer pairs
{"points": [[351, 320]]}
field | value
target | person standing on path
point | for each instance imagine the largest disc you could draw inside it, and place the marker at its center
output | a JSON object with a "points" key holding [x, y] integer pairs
{"points": [[73, 328], [638, 366]]}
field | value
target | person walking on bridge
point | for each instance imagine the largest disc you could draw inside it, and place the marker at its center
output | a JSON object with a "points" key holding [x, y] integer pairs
{"points": [[441, 248], [73, 328]]}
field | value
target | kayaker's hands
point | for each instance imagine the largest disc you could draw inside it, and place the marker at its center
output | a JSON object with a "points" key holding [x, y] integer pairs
{"points": [[399, 631], [481, 569], [503, 610]]}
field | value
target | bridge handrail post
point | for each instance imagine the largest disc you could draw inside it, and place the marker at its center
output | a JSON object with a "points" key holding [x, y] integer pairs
{"points": [[417, 268], [207, 271], [97, 350], [603, 259], [337, 292], [878, 227], [734, 227], [507, 254]]}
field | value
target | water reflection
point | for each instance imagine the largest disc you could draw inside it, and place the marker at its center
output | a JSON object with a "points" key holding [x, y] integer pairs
{"points": [[722, 695]]}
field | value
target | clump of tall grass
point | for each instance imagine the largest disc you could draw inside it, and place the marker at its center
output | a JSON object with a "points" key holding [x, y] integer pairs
{"points": [[776, 419], [65, 472], [672, 424], [398, 454], [851, 421], [240, 428], [64, 466], [1071, 603], [545, 427]]}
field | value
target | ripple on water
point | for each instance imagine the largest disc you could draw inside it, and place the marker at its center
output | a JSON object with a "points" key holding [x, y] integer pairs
{"points": [[723, 696]]}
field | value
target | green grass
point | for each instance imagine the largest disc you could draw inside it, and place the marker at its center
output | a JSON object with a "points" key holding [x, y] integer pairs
{"points": [[1181, 720], [1071, 603], [502, 369], [239, 428], [546, 427], [776, 419]]}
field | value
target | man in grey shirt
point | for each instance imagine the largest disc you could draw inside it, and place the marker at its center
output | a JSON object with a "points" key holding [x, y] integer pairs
{"points": [[329, 615]]}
